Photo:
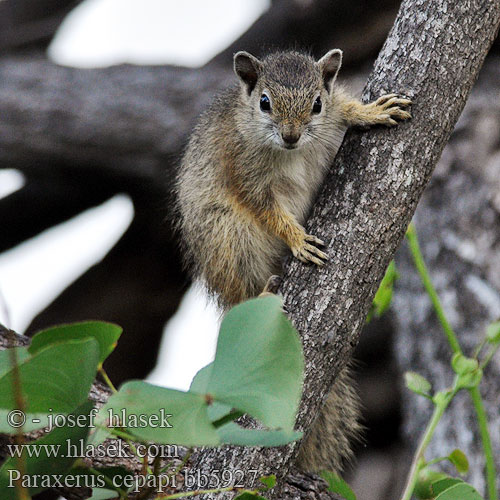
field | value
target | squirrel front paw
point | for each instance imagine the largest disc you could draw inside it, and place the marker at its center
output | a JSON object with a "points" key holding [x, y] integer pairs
{"points": [[387, 110], [306, 251]]}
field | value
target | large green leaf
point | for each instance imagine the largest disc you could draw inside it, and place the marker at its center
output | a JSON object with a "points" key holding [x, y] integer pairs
{"points": [[55, 380], [55, 455], [199, 385], [6, 358], [443, 484], [232, 433], [460, 491], [106, 334], [190, 425], [259, 363]]}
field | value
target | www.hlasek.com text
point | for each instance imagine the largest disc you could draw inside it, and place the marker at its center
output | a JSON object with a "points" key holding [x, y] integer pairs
{"points": [[113, 449]]}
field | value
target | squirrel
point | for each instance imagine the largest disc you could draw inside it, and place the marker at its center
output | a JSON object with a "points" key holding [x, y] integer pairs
{"points": [[247, 180]]}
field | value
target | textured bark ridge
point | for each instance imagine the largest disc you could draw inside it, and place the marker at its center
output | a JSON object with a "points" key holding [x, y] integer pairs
{"points": [[432, 55], [458, 222]]}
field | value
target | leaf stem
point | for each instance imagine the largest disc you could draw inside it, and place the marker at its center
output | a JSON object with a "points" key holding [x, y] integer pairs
{"points": [[418, 259], [491, 473], [488, 357], [185, 460], [418, 459], [128, 439], [106, 378], [21, 490]]}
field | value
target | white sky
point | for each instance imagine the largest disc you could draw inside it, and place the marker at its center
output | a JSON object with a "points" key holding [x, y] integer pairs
{"points": [[187, 32], [99, 33]]}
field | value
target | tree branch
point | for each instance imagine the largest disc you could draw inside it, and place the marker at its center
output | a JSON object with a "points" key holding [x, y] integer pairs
{"points": [[432, 55]]}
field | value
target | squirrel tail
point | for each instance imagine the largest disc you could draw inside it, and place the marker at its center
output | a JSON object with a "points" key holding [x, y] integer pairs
{"points": [[328, 446]]}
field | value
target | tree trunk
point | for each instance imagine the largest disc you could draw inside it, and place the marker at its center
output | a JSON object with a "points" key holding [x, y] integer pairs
{"points": [[432, 55], [458, 223]]}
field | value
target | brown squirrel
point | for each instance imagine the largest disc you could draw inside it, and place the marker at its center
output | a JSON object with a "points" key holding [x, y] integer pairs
{"points": [[247, 180]]}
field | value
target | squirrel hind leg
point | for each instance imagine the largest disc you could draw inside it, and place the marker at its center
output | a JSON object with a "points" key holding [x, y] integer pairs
{"points": [[328, 446]]}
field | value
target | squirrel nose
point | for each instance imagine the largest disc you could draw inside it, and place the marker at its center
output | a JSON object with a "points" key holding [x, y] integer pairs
{"points": [[290, 138]]}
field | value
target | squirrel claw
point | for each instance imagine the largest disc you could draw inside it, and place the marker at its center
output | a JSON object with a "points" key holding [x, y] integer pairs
{"points": [[314, 239], [384, 98], [309, 253], [389, 108]]}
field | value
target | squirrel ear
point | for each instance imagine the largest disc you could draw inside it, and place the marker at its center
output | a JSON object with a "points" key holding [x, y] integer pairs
{"points": [[247, 68], [329, 66]]}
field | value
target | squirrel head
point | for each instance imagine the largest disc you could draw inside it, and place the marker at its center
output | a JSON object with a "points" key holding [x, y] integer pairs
{"points": [[287, 95]]}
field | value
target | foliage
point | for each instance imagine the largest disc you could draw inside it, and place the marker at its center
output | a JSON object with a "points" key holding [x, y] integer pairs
{"points": [[337, 485], [383, 297], [257, 370], [424, 482]]}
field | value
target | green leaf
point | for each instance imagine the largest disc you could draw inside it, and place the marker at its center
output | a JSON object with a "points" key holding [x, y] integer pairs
{"points": [[249, 495], [462, 365], [103, 494], [444, 484], [459, 460], [52, 449], [493, 333], [190, 425], [232, 433], [383, 297], [469, 380], [426, 478], [460, 491], [268, 481], [106, 334], [337, 485], [418, 384], [259, 363], [6, 358], [55, 380], [199, 385]]}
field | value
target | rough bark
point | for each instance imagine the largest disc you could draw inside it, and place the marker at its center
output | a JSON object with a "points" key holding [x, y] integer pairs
{"points": [[458, 223], [432, 55]]}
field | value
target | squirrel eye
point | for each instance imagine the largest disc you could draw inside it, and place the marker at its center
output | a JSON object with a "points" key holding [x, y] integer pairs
{"points": [[317, 105], [265, 103]]}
